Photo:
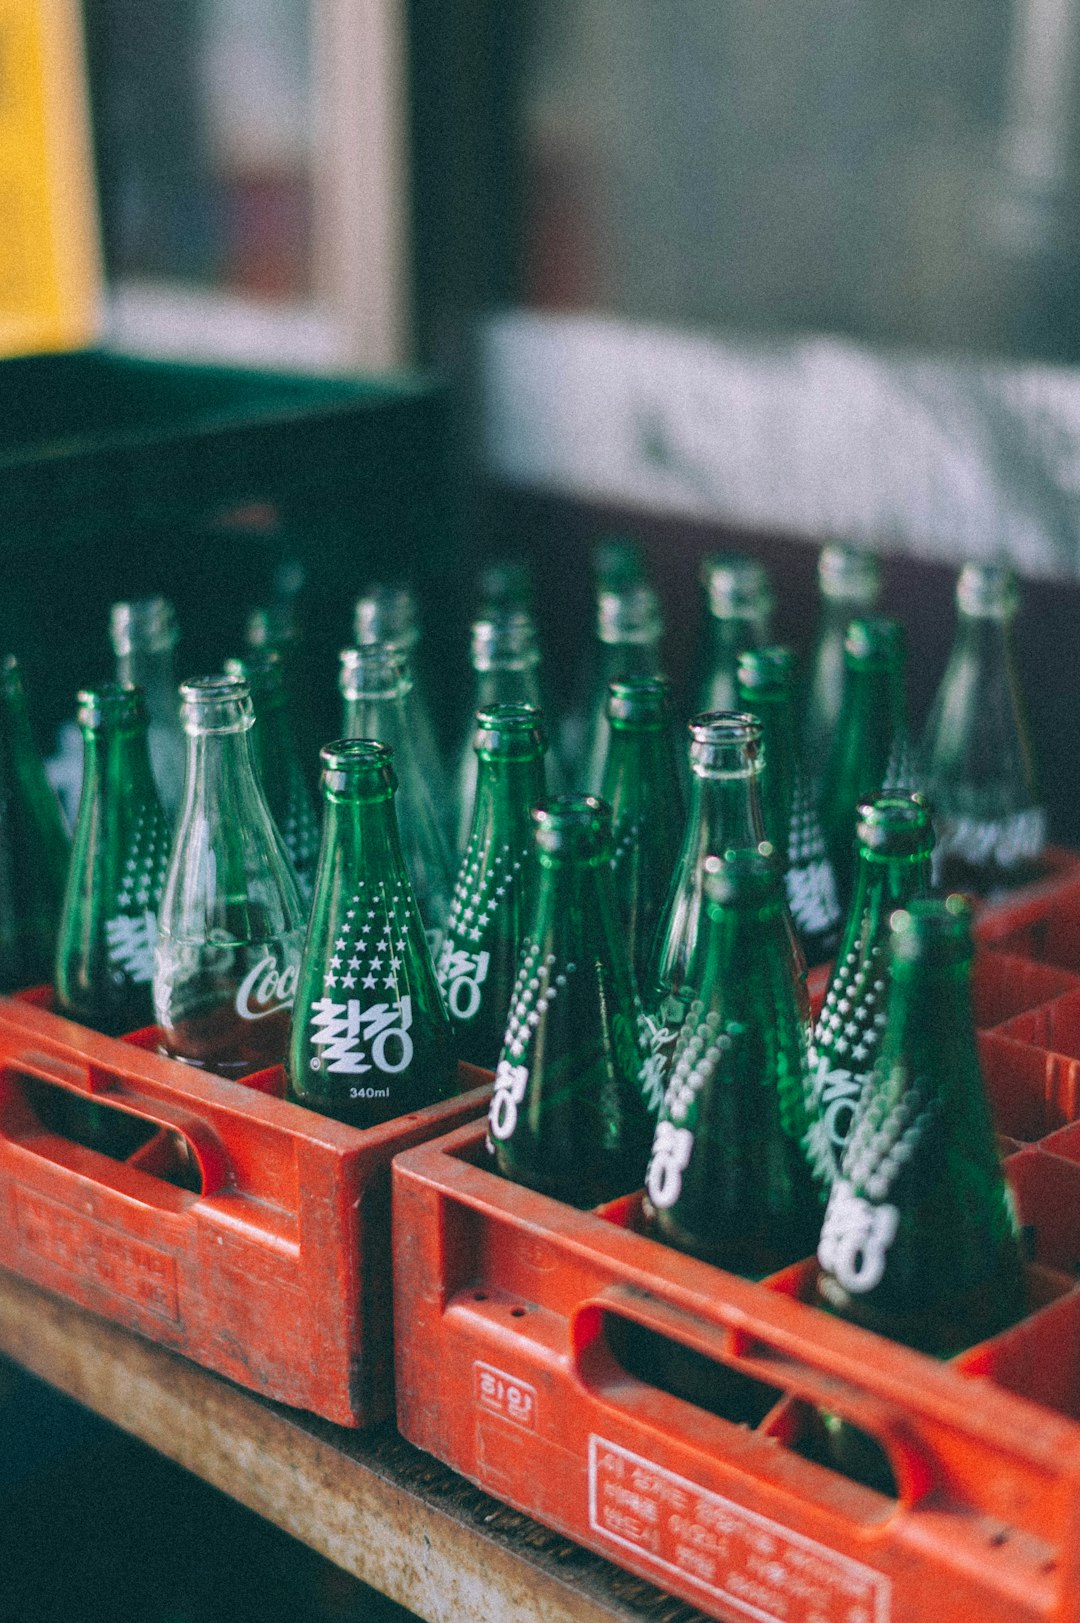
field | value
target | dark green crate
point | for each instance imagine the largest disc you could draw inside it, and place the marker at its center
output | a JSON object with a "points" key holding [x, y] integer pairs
{"points": [[122, 476]]}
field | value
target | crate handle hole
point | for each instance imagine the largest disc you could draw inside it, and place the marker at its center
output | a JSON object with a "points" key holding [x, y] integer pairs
{"points": [[517, 1312], [480, 1296]]}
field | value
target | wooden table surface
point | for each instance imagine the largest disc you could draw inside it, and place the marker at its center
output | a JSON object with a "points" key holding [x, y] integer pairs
{"points": [[370, 1502]]}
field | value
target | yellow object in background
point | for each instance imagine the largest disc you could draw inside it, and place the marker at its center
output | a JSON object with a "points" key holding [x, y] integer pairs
{"points": [[50, 269]]}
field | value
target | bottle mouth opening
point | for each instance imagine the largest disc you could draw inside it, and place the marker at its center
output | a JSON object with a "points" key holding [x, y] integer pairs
{"points": [[895, 825], [358, 766], [987, 592], [387, 614], [216, 704], [725, 744], [643, 699], [737, 588], [768, 670], [931, 930], [375, 670], [848, 575], [145, 625], [573, 825], [505, 641], [630, 614], [111, 704], [510, 731]]}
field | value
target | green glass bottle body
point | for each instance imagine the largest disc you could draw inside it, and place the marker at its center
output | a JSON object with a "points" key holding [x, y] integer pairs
{"points": [[978, 761], [739, 602], [376, 681], [34, 846], [144, 636], [370, 1039], [728, 1178], [505, 664], [628, 630], [871, 751], [920, 1240], [641, 785], [277, 758], [570, 1115], [894, 840], [767, 690], [724, 814], [849, 586], [231, 921], [108, 925], [388, 613], [495, 892]]}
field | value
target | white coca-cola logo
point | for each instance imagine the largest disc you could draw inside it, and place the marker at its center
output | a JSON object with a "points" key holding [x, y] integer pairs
{"points": [[265, 989]]}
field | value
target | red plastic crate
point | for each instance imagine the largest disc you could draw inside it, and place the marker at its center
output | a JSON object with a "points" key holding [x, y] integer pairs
{"points": [[277, 1274], [512, 1367]]}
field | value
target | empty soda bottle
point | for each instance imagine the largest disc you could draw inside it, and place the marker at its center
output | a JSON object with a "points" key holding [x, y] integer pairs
{"points": [[977, 755], [617, 566], [108, 926], [871, 749], [641, 785], [724, 814], [278, 760], [894, 840], [144, 636], [568, 1116], [495, 892], [389, 614], [740, 605], [920, 1240], [370, 1038], [849, 585], [34, 846], [376, 682], [231, 922], [629, 628], [506, 664], [728, 1179], [767, 690]]}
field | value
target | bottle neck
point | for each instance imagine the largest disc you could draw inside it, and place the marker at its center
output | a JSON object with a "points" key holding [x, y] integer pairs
{"points": [[619, 659], [506, 791], [505, 684], [220, 773], [882, 884], [116, 765], [725, 813], [271, 739], [777, 717], [730, 634], [640, 766], [360, 844], [155, 674], [931, 1028], [873, 706]]}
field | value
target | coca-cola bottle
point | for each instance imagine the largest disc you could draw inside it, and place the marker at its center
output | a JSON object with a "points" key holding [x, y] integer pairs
{"points": [[231, 925]]}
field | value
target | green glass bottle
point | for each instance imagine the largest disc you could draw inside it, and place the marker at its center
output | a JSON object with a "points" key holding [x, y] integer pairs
{"points": [[144, 636], [849, 586], [740, 606], [724, 814], [277, 758], [505, 664], [376, 682], [389, 614], [108, 925], [629, 629], [641, 785], [894, 841], [495, 892], [767, 690], [370, 1039], [980, 774], [728, 1179], [871, 751], [34, 846], [569, 1116], [920, 1240], [617, 566]]}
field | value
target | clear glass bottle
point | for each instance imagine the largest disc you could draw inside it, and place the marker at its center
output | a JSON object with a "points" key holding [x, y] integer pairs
{"points": [[767, 690], [108, 924], [849, 587], [370, 1038], [728, 1179], [231, 922], [642, 786], [569, 1116], [277, 757], [740, 605], [496, 884], [376, 683], [144, 636], [894, 840], [980, 774], [506, 667]]}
